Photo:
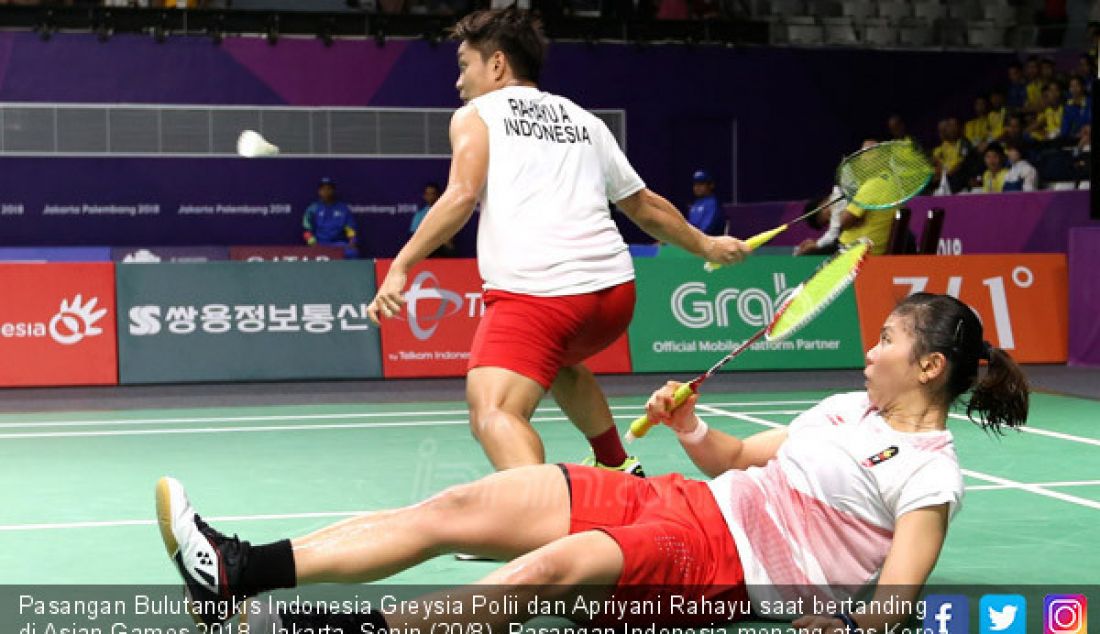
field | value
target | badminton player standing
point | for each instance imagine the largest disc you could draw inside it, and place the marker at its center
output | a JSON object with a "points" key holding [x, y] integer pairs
{"points": [[558, 276]]}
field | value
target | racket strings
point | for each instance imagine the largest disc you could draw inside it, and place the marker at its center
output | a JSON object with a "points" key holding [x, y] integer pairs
{"points": [[816, 293], [884, 175]]}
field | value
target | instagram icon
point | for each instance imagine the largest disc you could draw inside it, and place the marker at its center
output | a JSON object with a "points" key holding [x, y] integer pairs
{"points": [[1065, 614]]}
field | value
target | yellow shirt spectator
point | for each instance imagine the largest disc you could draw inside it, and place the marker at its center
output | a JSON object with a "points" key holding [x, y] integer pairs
{"points": [[977, 130], [949, 154], [1034, 96], [1051, 123], [994, 183], [876, 224], [995, 121]]}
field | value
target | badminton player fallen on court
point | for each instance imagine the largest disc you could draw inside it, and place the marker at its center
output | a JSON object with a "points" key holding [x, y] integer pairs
{"points": [[861, 485]]}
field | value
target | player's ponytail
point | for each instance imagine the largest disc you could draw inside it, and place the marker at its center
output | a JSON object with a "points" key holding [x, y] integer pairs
{"points": [[1001, 396], [945, 325]]}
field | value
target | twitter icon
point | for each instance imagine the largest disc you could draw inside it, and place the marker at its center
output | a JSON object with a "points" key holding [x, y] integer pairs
{"points": [[1003, 614]]}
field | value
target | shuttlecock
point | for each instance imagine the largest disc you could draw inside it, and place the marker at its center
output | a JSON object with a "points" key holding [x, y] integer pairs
{"points": [[251, 145]]}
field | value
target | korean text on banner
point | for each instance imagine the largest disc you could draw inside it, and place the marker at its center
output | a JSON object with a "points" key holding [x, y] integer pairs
{"points": [[242, 321]]}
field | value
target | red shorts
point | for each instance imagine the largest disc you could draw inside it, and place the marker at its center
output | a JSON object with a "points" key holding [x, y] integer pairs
{"points": [[537, 336], [671, 532]]}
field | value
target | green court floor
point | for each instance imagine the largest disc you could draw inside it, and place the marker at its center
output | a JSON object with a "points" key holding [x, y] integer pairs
{"points": [[78, 487]]}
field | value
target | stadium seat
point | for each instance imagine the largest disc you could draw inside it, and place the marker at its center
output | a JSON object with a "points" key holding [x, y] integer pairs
{"points": [[857, 9], [894, 11], [785, 8], [840, 31], [879, 32], [803, 30], [915, 32], [929, 11], [930, 235], [984, 34], [899, 233]]}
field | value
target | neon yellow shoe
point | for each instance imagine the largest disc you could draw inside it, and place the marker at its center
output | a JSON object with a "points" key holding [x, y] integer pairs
{"points": [[631, 465]]}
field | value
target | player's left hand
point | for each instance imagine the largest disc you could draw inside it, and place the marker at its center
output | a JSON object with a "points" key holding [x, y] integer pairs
{"points": [[389, 299], [819, 624], [726, 250]]}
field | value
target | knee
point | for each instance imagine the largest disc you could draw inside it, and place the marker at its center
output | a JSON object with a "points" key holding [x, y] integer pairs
{"points": [[539, 569]]}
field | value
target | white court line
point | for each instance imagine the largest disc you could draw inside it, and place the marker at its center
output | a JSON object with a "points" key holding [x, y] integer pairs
{"points": [[1069, 483], [270, 428], [1027, 429], [224, 518], [278, 417], [1013, 484]]}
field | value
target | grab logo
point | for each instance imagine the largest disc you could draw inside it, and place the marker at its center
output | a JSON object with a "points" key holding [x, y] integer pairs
{"points": [[693, 307], [73, 322]]}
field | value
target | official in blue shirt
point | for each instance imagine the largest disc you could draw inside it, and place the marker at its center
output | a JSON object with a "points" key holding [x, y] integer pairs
{"points": [[705, 213], [329, 221]]}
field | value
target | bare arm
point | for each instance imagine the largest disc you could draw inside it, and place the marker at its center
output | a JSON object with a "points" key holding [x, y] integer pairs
{"points": [[469, 170], [918, 538], [660, 219], [717, 452]]}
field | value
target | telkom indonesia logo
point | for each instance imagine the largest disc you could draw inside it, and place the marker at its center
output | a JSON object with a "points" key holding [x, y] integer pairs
{"points": [[426, 286], [755, 307], [76, 320]]}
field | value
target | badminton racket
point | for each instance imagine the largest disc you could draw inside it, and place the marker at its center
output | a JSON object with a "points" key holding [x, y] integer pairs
{"points": [[878, 177]]}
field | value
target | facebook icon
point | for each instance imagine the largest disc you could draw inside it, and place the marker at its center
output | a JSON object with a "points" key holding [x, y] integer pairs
{"points": [[946, 614]]}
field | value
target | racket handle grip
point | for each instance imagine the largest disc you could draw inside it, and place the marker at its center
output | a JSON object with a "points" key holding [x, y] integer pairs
{"points": [[763, 237], [753, 243], [641, 426]]}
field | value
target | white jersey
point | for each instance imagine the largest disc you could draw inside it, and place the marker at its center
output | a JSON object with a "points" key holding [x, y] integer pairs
{"points": [[545, 226], [822, 513]]}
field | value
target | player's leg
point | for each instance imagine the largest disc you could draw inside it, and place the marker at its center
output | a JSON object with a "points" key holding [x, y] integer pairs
{"points": [[503, 515], [501, 403], [590, 562], [605, 316], [579, 395]]}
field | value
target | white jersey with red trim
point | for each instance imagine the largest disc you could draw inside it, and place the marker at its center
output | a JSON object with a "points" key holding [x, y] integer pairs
{"points": [[822, 513], [545, 226]]}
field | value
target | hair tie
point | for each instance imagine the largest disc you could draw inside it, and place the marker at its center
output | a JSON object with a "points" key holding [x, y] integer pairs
{"points": [[987, 351]]}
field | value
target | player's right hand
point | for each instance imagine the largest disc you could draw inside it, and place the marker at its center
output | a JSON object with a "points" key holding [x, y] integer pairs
{"points": [[726, 250], [659, 409], [389, 299]]}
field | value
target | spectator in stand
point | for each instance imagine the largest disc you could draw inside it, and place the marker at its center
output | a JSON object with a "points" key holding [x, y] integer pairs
{"points": [[949, 155], [1017, 87], [1048, 72], [998, 114], [1022, 176], [1086, 68], [328, 221], [1077, 113], [705, 213], [977, 129], [898, 131], [1015, 132], [827, 220], [430, 195], [995, 170], [1048, 125], [1034, 83]]}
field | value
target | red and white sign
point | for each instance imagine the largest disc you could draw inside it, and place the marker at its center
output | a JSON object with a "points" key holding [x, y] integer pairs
{"points": [[57, 324], [1022, 299], [444, 305]]}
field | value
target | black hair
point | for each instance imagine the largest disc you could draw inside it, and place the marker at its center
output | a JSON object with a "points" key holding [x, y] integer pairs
{"points": [[996, 147], [814, 220], [434, 185], [943, 324], [512, 31]]}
